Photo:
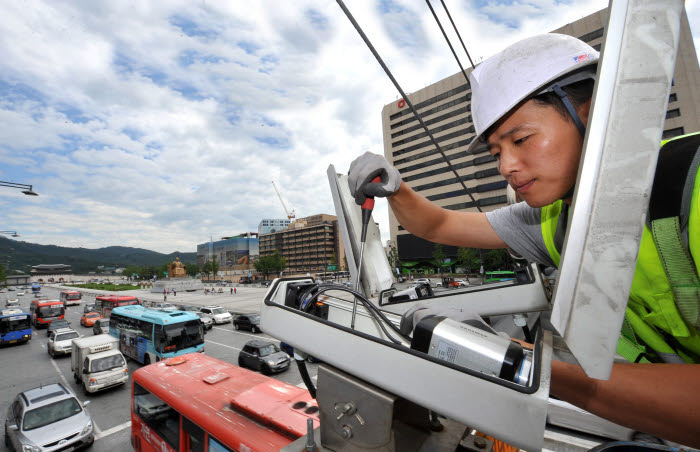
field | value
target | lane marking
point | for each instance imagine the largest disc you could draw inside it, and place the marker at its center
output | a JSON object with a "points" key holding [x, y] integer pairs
{"points": [[246, 334], [223, 345], [113, 430]]}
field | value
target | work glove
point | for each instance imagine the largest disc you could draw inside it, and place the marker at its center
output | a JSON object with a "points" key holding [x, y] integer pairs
{"points": [[365, 168], [413, 316]]}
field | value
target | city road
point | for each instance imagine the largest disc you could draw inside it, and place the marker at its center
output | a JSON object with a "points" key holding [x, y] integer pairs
{"points": [[26, 366]]}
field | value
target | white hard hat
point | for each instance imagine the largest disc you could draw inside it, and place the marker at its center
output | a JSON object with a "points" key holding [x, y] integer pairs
{"points": [[520, 71]]}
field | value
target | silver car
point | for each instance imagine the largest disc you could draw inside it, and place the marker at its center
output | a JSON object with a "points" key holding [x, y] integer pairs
{"points": [[46, 419], [61, 342]]}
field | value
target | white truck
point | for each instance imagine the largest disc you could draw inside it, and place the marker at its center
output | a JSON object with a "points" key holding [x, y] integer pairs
{"points": [[97, 363]]}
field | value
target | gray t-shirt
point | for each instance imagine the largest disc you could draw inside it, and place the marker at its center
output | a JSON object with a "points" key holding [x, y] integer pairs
{"points": [[519, 226]]}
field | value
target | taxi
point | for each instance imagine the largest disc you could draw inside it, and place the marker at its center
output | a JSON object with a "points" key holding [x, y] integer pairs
{"points": [[89, 318]]}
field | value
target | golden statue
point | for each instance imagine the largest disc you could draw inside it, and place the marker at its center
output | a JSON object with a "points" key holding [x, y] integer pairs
{"points": [[177, 269]]}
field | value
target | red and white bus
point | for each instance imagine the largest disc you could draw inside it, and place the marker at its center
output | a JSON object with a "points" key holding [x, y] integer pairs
{"points": [[70, 297], [105, 303], [45, 311], [198, 403]]}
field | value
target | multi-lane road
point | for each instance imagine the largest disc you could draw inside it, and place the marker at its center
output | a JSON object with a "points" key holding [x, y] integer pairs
{"points": [[28, 365]]}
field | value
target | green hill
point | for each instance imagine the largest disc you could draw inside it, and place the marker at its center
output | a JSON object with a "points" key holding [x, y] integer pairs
{"points": [[22, 255]]}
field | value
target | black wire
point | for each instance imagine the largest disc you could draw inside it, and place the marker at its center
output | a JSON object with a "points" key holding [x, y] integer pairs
{"points": [[305, 376], [370, 306], [447, 40], [373, 310], [457, 31], [406, 99]]}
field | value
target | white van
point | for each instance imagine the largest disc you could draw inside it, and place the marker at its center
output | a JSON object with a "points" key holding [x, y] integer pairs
{"points": [[97, 363]]}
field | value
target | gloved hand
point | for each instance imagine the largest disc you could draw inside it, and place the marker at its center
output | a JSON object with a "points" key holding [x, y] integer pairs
{"points": [[365, 168], [413, 316]]}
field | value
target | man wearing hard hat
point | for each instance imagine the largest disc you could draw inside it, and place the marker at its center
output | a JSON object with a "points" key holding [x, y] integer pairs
{"points": [[530, 105]]}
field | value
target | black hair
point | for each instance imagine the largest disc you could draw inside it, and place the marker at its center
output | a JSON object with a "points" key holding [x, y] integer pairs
{"points": [[578, 93]]}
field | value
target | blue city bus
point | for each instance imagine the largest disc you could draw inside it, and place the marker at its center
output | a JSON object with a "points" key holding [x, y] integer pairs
{"points": [[150, 335], [36, 288], [15, 326]]}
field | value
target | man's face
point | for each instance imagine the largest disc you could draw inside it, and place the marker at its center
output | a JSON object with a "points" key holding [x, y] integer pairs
{"points": [[538, 152]]}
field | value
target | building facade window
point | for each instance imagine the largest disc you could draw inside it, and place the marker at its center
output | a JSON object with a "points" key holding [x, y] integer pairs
{"points": [[674, 113], [671, 133]]}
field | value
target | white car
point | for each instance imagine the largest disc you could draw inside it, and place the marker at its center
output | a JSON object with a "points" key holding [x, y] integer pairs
{"points": [[61, 342], [19, 294], [217, 313], [462, 282], [422, 280]]}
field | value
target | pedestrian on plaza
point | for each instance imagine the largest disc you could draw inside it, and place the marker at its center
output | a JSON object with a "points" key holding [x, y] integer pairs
{"points": [[231, 290], [174, 293], [234, 291]]}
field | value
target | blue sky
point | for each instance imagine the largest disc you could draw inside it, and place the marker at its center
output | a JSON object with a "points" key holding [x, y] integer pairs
{"points": [[161, 124]]}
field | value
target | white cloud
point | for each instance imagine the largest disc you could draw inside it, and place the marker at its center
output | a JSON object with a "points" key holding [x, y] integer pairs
{"points": [[160, 124]]}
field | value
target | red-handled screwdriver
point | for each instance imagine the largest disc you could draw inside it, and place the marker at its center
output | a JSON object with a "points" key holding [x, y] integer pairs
{"points": [[367, 208]]}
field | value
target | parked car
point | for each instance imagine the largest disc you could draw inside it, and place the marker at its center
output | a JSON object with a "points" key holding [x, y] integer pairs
{"points": [[61, 342], [89, 307], [10, 289], [12, 303], [19, 294], [44, 417], [101, 326], [57, 325], [207, 321], [89, 318], [422, 280], [263, 356], [164, 306], [462, 282], [217, 313], [183, 307], [250, 322]]}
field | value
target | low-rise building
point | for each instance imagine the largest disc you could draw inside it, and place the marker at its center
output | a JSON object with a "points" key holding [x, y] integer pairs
{"points": [[270, 225], [51, 269], [309, 244]]}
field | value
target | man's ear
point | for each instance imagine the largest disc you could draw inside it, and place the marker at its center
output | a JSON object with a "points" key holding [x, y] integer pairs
{"points": [[584, 110]]}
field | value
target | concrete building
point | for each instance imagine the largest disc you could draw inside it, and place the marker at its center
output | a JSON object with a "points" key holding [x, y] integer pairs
{"points": [[445, 108], [269, 225], [308, 244], [236, 255]]}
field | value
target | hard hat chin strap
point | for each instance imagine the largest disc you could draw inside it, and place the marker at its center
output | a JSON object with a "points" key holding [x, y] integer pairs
{"points": [[577, 121], [570, 108]]}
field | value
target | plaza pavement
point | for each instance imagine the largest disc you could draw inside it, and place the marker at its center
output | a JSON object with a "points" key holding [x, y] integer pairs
{"points": [[247, 300]]}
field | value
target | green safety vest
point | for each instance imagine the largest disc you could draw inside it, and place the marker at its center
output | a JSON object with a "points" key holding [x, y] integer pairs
{"points": [[662, 318]]}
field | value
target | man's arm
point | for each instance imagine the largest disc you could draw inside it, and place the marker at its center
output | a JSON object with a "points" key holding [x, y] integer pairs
{"points": [[659, 399], [435, 224]]}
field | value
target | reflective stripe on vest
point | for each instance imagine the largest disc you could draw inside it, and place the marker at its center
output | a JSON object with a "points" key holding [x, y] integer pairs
{"points": [[652, 315]]}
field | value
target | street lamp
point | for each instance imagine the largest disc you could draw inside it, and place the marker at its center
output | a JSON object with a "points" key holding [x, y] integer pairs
{"points": [[27, 188], [10, 233]]}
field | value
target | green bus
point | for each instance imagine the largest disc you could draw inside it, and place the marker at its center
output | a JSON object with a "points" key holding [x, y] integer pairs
{"points": [[497, 276]]}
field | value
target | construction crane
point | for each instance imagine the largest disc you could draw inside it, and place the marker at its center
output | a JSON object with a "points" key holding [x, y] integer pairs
{"points": [[290, 215]]}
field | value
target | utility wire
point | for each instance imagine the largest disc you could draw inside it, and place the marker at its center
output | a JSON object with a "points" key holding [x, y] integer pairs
{"points": [[448, 41], [406, 99], [457, 31]]}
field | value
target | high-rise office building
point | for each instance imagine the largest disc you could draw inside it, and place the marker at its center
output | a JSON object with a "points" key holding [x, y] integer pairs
{"points": [[446, 109]]}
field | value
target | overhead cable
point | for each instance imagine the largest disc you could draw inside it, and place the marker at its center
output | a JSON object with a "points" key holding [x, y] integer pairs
{"points": [[454, 54], [457, 31], [406, 99]]}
